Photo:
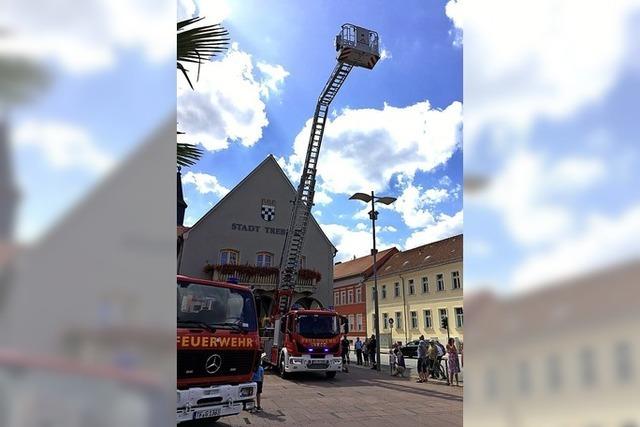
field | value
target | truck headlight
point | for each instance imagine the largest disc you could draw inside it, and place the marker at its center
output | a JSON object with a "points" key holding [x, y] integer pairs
{"points": [[246, 391], [337, 361], [295, 361]]}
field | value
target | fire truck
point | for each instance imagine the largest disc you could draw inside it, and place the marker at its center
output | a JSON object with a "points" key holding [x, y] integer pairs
{"points": [[309, 340], [218, 349]]}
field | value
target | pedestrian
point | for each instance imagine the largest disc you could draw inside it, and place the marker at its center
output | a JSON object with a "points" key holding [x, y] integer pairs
{"points": [[454, 367], [432, 355], [258, 377], [440, 354], [373, 350], [358, 347], [400, 365], [392, 359], [365, 352], [422, 360], [345, 353]]}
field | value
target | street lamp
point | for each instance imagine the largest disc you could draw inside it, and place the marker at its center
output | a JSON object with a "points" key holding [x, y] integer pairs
{"points": [[373, 215]]}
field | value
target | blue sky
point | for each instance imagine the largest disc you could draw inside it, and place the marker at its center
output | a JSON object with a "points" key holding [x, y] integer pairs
{"points": [[549, 120], [395, 129], [111, 82]]}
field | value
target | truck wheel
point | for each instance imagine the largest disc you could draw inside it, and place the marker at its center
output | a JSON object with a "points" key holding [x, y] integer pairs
{"points": [[283, 373], [330, 374]]}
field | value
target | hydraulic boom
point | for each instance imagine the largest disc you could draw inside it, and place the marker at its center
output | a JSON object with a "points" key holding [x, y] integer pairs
{"points": [[356, 46]]}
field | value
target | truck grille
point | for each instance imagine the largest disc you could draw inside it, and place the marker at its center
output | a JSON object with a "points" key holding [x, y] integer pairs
{"points": [[192, 363]]}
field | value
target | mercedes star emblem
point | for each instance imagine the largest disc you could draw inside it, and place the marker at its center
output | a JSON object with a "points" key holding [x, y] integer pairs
{"points": [[213, 363]]}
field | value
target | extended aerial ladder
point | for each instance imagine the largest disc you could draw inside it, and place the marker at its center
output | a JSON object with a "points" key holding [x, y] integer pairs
{"points": [[356, 46]]}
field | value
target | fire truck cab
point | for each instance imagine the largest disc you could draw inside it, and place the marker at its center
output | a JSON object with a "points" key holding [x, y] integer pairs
{"points": [[310, 342]]}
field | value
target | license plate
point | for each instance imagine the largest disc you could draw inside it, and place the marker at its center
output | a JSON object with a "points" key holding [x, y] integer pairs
{"points": [[207, 413], [318, 365]]}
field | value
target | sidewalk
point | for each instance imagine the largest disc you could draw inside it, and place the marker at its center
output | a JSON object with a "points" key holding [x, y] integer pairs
{"points": [[411, 371]]}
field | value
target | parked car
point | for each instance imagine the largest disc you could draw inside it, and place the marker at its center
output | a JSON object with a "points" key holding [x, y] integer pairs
{"points": [[411, 349]]}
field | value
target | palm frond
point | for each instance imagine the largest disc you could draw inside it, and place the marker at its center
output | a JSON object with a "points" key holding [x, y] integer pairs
{"points": [[188, 154], [199, 44]]}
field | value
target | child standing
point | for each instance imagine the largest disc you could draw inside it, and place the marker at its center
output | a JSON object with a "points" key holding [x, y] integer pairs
{"points": [[258, 377]]}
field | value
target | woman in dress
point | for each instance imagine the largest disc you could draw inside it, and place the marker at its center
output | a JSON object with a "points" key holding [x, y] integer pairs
{"points": [[454, 367]]}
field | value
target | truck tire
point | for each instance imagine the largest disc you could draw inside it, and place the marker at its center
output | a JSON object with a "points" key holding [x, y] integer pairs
{"points": [[283, 373], [330, 374]]}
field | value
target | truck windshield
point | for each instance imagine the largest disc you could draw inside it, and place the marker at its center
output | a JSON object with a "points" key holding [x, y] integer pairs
{"points": [[317, 326], [215, 307]]}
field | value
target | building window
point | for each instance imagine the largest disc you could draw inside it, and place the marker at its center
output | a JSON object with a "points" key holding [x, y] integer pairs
{"points": [[440, 282], [385, 320], [336, 298], [352, 324], [524, 378], [459, 317], [554, 372], [623, 362], [350, 296], [396, 289], [398, 319], [414, 320], [425, 285], [264, 259], [412, 287], [359, 295], [427, 319], [443, 314], [359, 322], [343, 296], [587, 367], [229, 256], [373, 320], [303, 262], [455, 280], [384, 291]]}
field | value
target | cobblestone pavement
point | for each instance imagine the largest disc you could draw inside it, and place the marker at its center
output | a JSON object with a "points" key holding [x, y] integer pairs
{"points": [[362, 397]]}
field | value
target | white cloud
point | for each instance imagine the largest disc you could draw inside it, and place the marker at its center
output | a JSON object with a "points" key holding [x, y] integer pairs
{"points": [[63, 145], [455, 12], [351, 243], [445, 226], [373, 145], [205, 183], [445, 181], [94, 36], [477, 248], [527, 66], [416, 205], [605, 242], [274, 76], [317, 212], [385, 54], [321, 198], [530, 194], [227, 105], [361, 226]]}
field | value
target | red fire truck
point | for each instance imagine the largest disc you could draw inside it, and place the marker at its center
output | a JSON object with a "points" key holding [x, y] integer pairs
{"points": [[303, 340], [310, 342], [218, 349]]}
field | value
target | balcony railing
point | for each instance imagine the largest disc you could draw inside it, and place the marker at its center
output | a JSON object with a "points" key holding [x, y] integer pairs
{"points": [[264, 278]]}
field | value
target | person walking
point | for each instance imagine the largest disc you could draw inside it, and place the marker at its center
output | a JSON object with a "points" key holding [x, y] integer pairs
{"points": [[440, 354], [432, 355], [422, 360], [454, 367], [400, 365], [258, 377], [373, 347], [365, 352], [392, 360], [345, 353], [358, 346]]}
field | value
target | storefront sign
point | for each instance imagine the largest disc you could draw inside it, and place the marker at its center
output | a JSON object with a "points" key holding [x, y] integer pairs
{"points": [[258, 229]]}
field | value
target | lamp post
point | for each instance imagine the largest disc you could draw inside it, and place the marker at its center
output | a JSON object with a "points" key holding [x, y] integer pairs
{"points": [[373, 215]]}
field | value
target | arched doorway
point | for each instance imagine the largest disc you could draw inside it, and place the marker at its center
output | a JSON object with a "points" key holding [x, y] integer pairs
{"points": [[309, 302]]}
